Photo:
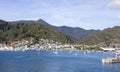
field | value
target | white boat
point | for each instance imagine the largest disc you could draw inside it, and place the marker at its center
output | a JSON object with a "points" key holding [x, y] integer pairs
{"points": [[76, 54], [55, 52]]}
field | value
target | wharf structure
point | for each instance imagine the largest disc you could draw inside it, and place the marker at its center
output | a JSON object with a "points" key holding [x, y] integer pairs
{"points": [[116, 59]]}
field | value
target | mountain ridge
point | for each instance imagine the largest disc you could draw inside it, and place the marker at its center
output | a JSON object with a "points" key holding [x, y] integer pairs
{"points": [[75, 33]]}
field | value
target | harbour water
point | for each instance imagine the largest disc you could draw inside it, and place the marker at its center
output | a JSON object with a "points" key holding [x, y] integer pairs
{"points": [[52, 61]]}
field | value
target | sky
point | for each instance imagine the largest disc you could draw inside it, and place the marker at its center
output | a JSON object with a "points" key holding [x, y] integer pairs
{"points": [[87, 14]]}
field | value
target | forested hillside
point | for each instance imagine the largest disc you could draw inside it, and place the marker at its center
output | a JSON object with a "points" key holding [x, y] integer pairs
{"points": [[15, 31], [106, 36]]}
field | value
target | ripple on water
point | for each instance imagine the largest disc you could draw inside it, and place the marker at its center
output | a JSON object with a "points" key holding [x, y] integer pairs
{"points": [[47, 61]]}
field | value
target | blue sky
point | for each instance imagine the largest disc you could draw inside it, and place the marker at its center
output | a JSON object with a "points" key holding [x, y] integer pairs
{"points": [[87, 14]]}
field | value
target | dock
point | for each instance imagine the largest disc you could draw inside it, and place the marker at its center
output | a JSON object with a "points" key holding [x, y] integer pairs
{"points": [[115, 59], [110, 60]]}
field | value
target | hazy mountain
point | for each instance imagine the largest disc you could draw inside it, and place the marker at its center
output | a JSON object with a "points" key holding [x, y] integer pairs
{"points": [[73, 32], [106, 36]]}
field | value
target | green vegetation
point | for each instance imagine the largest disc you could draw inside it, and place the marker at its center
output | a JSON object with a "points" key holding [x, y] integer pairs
{"points": [[17, 31], [107, 36], [89, 48]]}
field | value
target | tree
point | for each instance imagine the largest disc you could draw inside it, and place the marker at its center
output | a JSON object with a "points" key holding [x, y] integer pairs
{"points": [[107, 40]]}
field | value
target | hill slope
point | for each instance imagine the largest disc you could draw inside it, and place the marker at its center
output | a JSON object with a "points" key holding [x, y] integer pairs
{"points": [[107, 36], [14, 31]]}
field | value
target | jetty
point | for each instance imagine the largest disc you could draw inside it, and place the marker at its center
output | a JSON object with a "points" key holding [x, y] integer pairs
{"points": [[110, 60], [116, 59]]}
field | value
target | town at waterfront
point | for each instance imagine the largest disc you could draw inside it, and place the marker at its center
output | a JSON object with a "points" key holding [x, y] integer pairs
{"points": [[45, 44]]}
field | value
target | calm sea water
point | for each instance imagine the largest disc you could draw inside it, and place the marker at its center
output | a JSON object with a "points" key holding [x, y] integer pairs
{"points": [[47, 61]]}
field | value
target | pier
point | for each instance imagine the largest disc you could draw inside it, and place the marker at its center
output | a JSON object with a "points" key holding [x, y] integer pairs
{"points": [[112, 60]]}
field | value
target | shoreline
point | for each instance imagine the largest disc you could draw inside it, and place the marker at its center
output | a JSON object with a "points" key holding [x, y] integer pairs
{"points": [[28, 49]]}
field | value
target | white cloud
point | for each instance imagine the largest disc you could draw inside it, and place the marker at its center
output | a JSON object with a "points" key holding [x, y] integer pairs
{"points": [[114, 4], [76, 13]]}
